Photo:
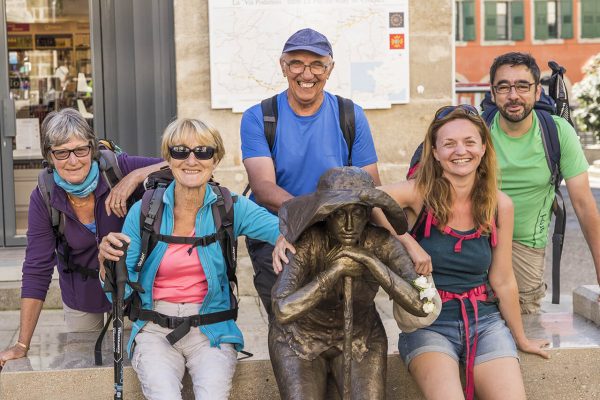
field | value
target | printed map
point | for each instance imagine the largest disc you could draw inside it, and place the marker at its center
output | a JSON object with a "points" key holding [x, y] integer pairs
{"points": [[369, 39]]}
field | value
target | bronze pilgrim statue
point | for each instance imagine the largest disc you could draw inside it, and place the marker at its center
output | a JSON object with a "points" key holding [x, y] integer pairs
{"points": [[326, 324]]}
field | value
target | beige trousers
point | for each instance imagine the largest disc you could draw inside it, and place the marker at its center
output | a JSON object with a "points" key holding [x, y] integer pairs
{"points": [[80, 321], [528, 264]]}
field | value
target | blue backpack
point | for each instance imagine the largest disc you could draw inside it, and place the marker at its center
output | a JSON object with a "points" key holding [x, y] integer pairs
{"points": [[554, 103]]}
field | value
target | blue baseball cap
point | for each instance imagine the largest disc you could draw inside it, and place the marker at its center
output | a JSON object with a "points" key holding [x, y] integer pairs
{"points": [[309, 40]]}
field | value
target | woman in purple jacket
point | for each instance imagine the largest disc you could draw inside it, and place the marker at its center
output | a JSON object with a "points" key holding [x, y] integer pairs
{"points": [[89, 210]]}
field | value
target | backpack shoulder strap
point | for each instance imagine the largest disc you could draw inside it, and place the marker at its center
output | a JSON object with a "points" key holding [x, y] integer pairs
{"points": [[414, 162], [223, 215], [150, 220], [109, 167], [347, 123], [551, 145], [489, 109], [269, 110], [46, 186], [418, 229]]}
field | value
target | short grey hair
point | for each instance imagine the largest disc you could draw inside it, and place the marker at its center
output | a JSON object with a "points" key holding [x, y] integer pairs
{"points": [[59, 127]]}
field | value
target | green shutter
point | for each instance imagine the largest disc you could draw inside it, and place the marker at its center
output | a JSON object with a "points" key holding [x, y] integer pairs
{"points": [[588, 13], [491, 32], [597, 21], [566, 19], [518, 25], [541, 19], [468, 12]]}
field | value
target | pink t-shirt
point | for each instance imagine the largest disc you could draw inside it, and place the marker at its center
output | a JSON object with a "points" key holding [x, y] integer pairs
{"points": [[180, 277]]}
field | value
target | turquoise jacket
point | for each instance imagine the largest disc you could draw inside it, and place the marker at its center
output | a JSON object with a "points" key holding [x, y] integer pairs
{"points": [[249, 219]]}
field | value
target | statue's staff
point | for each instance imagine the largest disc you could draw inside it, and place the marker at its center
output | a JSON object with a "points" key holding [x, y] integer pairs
{"points": [[348, 322]]}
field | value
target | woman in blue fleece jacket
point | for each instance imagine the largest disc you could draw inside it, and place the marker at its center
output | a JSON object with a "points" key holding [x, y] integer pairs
{"points": [[181, 283]]}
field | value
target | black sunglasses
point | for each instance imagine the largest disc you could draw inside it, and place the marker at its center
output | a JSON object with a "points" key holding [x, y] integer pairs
{"points": [[445, 111], [181, 152]]}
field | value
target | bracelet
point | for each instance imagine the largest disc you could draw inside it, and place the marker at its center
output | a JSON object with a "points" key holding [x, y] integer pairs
{"points": [[22, 345]]}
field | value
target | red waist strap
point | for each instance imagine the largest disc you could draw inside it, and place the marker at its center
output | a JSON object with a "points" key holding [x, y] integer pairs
{"points": [[476, 294]]}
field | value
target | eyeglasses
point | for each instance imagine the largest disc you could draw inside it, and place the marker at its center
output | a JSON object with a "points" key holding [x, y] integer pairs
{"points": [[63, 154], [445, 111], [298, 67], [181, 152], [520, 87]]}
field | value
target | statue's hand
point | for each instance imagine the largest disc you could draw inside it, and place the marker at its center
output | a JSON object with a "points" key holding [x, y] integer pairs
{"points": [[358, 254], [349, 260], [350, 267]]}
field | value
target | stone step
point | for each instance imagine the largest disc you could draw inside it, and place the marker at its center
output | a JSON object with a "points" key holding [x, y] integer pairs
{"points": [[61, 364]]}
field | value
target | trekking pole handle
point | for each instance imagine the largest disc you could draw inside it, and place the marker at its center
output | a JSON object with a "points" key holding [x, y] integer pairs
{"points": [[121, 272]]}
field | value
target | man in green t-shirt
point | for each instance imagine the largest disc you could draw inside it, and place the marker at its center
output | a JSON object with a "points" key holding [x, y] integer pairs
{"points": [[525, 176]]}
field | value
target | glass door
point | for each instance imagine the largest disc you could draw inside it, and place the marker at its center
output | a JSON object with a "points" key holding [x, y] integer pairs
{"points": [[45, 65]]}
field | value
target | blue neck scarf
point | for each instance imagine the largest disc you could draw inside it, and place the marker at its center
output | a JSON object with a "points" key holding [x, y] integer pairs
{"points": [[84, 188]]}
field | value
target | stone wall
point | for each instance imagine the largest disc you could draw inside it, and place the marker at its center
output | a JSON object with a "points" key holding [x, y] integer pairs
{"points": [[396, 131]]}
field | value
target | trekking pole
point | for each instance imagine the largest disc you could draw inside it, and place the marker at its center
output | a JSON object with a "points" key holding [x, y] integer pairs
{"points": [[348, 322], [118, 302]]}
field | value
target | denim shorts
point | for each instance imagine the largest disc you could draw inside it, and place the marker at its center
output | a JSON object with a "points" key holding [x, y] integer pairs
{"points": [[494, 341]]}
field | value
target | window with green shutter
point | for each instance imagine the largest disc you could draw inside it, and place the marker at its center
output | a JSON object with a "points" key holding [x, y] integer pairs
{"points": [[589, 14], [518, 24], [541, 19], [566, 19], [490, 32], [468, 8]]}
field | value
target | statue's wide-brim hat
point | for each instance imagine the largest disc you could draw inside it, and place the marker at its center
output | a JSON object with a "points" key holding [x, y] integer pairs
{"points": [[337, 188]]}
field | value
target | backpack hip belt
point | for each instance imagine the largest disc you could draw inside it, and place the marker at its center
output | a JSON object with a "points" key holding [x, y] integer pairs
{"points": [[181, 325]]}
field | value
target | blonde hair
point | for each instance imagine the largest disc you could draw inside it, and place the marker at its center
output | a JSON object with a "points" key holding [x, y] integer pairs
{"points": [[182, 129], [437, 190]]}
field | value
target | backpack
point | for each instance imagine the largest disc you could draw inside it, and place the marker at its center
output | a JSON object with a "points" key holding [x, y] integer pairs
{"points": [[347, 124], [150, 221], [556, 103], [112, 174]]}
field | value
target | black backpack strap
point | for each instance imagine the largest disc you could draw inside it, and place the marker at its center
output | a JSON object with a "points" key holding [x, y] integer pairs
{"points": [[414, 161], [46, 186], [552, 150], [222, 211], [150, 220], [109, 167], [489, 109], [551, 146], [347, 123], [417, 231], [269, 110]]}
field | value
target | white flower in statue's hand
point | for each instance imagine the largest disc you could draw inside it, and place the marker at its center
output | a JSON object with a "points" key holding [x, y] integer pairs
{"points": [[428, 293], [428, 307], [422, 283]]}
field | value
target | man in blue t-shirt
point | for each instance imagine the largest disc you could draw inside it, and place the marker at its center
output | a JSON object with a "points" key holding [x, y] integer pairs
{"points": [[308, 141]]}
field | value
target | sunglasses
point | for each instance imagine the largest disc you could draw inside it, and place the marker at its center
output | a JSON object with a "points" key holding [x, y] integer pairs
{"points": [[181, 152], [445, 111]]}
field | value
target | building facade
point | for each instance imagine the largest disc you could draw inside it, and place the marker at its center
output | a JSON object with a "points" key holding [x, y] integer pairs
{"points": [[131, 66], [565, 31]]}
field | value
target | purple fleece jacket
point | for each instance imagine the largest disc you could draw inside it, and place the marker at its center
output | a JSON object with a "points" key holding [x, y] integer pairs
{"points": [[77, 292]]}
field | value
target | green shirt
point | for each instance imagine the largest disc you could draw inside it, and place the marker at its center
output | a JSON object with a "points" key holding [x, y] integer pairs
{"points": [[525, 175]]}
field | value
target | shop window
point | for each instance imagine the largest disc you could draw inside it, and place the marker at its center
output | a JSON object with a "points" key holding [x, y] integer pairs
{"points": [[590, 19], [465, 20], [553, 19], [504, 20]]}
